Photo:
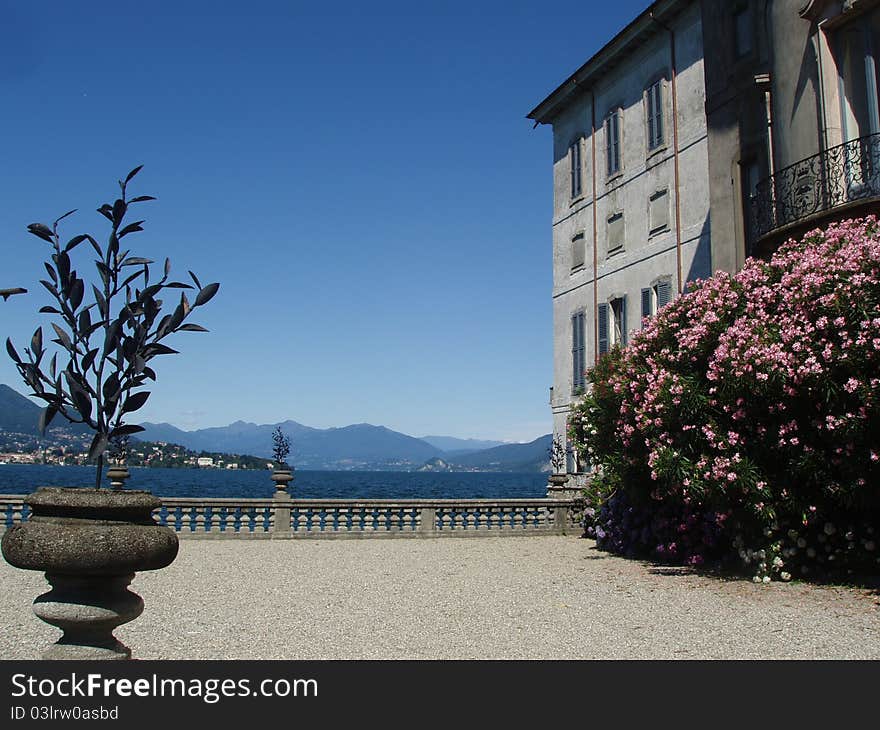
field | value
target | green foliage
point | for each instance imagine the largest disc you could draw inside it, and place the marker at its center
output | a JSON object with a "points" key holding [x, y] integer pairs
{"points": [[107, 330]]}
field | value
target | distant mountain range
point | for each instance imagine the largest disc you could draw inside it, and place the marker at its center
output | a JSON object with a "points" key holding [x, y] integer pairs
{"points": [[359, 446]]}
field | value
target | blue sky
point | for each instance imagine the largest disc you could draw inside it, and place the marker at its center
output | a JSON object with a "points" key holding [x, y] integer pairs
{"points": [[360, 177]]}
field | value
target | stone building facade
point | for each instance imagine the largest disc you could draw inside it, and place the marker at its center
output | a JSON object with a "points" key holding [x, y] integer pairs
{"points": [[792, 111], [631, 194], [706, 131]]}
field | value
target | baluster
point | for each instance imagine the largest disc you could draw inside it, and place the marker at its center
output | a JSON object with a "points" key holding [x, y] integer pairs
{"points": [[458, 521], [302, 520], [369, 520], [215, 519], [200, 520], [246, 521], [186, 518], [394, 520], [357, 519], [470, 520], [262, 520], [342, 520]]}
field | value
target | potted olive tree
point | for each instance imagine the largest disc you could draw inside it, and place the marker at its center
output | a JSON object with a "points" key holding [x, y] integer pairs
{"points": [[282, 473], [558, 459], [91, 541]]}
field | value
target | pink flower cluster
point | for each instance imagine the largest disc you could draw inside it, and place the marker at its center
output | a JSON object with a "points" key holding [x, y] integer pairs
{"points": [[757, 391]]}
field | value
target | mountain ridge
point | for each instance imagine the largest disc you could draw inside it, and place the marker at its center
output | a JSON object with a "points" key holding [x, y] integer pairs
{"points": [[355, 446]]}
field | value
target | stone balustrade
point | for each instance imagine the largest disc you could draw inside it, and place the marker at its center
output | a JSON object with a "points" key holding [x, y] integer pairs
{"points": [[284, 517]]}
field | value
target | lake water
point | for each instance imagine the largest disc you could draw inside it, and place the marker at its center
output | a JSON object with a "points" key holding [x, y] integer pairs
{"points": [[24, 478]]}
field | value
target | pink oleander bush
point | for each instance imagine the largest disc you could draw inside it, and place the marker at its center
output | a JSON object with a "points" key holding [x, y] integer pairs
{"points": [[742, 424]]}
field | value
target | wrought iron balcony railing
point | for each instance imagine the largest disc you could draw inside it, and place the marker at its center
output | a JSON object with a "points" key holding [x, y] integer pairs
{"points": [[847, 173]]}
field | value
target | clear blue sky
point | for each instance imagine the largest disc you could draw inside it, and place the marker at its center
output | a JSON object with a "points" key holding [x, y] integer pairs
{"points": [[360, 177]]}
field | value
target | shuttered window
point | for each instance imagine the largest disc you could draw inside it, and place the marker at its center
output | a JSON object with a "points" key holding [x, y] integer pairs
{"points": [[574, 157], [664, 293], [658, 212], [577, 251], [612, 142], [647, 303], [618, 321], [655, 298], [603, 345], [615, 232], [578, 351], [654, 103]]}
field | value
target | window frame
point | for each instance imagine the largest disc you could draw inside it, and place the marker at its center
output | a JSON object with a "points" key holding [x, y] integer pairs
{"points": [[666, 227], [576, 169], [656, 143], [659, 289], [579, 239], [616, 114], [609, 251], [578, 351]]}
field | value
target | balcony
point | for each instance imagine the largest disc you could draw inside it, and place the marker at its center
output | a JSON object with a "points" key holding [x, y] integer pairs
{"points": [[839, 181]]}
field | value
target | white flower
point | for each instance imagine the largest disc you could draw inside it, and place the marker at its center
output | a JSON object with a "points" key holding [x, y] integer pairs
{"points": [[766, 579], [785, 576], [830, 529], [777, 562], [756, 579]]}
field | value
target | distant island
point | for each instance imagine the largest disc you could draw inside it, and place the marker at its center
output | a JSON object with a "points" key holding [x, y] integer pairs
{"points": [[359, 447]]}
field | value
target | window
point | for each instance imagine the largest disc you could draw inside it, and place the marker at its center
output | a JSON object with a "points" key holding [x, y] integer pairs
{"points": [[654, 103], [577, 251], [578, 351], [612, 142], [615, 233], [612, 324], [655, 297], [742, 31], [658, 212], [618, 321], [574, 158]]}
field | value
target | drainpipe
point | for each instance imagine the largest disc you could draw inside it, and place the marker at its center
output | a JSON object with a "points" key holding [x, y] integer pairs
{"points": [[763, 80], [595, 229], [674, 147]]}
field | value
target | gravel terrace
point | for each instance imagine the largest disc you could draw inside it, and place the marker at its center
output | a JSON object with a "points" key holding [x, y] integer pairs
{"points": [[477, 598]]}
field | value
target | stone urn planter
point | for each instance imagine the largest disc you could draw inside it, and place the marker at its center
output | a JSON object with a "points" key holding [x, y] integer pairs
{"points": [[89, 543], [282, 477]]}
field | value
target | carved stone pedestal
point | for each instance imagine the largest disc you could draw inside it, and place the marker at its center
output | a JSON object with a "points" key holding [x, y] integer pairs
{"points": [[89, 543]]}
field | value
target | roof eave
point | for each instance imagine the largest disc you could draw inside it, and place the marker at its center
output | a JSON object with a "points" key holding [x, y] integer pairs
{"points": [[605, 58]]}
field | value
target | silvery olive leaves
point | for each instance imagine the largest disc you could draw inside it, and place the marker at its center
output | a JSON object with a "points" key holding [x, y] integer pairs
{"points": [[107, 331]]}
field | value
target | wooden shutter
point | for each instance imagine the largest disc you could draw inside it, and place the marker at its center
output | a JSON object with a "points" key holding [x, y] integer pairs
{"points": [[658, 113], [623, 321], [612, 134], [603, 329], [655, 115], [577, 251], [575, 157], [578, 354], [664, 293], [658, 211], [646, 303]]}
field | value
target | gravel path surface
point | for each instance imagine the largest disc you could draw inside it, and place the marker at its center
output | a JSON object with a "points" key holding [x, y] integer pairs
{"points": [[478, 598]]}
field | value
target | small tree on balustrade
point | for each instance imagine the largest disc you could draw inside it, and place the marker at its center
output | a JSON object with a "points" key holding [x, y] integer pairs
{"points": [[280, 448]]}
